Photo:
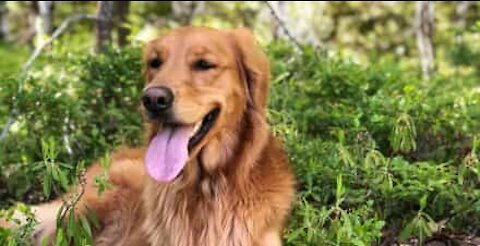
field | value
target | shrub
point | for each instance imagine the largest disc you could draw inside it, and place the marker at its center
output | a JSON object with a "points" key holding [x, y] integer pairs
{"points": [[87, 104], [399, 143], [376, 150]]}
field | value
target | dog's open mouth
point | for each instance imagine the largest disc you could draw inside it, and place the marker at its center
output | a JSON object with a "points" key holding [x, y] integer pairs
{"points": [[169, 149], [201, 128]]}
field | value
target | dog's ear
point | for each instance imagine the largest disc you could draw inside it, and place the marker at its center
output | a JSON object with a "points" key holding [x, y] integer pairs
{"points": [[254, 68]]}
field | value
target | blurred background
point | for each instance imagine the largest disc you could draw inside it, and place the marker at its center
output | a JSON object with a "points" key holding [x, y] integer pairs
{"points": [[378, 104]]}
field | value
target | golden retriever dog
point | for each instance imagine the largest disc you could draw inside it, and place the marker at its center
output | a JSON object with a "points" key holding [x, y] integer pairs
{"points": [[211, 174]]}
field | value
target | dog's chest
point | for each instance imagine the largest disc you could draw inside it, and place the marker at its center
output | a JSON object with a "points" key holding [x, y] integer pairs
{"points": [[181, 220]]}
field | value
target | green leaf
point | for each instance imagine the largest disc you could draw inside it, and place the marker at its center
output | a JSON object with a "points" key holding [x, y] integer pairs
{"points": [[93, 217], [86, 226], [62, 178], [340, 189], [423, 202], [59, 239], [47, 185], [71, 224], [406, 232], [45, 240], [358, 242], [54, 170]]}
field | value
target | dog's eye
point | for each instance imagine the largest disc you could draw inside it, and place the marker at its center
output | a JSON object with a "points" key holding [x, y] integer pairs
{"points": [[155, 63], [203, 65]]}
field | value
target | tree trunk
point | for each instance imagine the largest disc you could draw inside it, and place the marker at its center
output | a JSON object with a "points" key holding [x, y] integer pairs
{"points": [[31, 33], [184, 11], [3, 20], [460, 11], [424, 32], [460, 20], [104, 25], [44, 18], [121, 14]]}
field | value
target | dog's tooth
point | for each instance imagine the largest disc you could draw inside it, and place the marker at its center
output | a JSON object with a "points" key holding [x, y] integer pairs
{"points": [[196, 127]]}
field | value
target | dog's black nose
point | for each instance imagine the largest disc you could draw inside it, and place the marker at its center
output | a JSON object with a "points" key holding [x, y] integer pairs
{"points": [[157, 99]]}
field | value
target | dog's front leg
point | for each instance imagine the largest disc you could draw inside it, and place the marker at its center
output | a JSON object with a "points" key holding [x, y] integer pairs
{"points": [[271, 238]]}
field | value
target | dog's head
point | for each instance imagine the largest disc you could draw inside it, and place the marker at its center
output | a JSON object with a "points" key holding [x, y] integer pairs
{"points": [[199, 83]]}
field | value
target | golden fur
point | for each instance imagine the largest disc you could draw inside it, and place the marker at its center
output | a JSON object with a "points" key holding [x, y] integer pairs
{"points": [[236, 188]]}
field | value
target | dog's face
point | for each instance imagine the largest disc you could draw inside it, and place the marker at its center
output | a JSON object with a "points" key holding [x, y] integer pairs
{"points": [[199, 81]]}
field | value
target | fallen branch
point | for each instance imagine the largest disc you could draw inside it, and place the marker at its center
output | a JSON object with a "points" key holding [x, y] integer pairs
{"points": [[284, 26], [69, 205], [36, 53]]}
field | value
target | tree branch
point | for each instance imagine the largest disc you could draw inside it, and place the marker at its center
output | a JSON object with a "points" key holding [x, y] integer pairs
{"points": [[54, 36], [36, 53], [70, 204], [284, 26]]}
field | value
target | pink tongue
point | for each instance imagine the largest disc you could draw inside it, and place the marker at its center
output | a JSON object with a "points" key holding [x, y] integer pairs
{"points": [[167, 153]]}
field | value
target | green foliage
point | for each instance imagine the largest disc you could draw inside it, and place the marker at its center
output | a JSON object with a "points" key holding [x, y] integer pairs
{"points": [[399, 145], [15, 59], [23, 218], [85, 104], [70, 230], [101, 181], [111, 85], [375, 149]]}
